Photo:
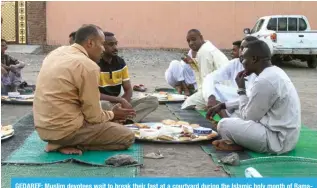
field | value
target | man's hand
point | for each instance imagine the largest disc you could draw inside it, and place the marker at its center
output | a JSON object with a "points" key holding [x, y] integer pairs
{"points": [[240, 79], [125, 104], [122, 113], [187, 59], [215, 110]]}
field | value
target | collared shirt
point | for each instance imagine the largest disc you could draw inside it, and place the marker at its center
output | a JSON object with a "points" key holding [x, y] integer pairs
{"points": [[112, 76], [275, 104], [67, 93], [209, 59]]}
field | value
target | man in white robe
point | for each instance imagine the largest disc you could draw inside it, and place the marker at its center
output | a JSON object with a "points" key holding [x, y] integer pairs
{"points": [[269, 119], [220, 85], [209, 59], [181, 76]]}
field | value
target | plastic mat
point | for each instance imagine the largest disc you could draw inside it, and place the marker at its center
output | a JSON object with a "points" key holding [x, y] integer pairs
{"points": [[32, 152], [300, 162], [270, 166], [203, 113]]}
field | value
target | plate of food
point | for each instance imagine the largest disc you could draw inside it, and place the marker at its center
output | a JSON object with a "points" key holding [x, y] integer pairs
{"points": [[6, 132], [170, 131], [17, 99], [165, 97]]}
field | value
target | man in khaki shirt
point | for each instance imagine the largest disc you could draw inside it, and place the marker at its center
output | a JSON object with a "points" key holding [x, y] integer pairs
{"points": [[67, 111]]}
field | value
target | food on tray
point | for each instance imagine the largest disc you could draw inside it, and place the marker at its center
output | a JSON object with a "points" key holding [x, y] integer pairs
{"points": [[182, 123], [176, 97], [168, 122], [212, 135], [6, 130], [197, 138], [7, 127], [184, 139], [163, 93], [149, 133], [165, 137], [194, 125], [164, 96], [141, 126], [171, 131]]}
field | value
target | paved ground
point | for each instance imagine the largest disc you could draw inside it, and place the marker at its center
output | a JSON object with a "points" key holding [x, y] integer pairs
{"points": [[147, 67]]}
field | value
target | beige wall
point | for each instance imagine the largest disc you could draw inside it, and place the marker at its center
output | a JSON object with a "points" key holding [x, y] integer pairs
{"points": [[164, 24]]}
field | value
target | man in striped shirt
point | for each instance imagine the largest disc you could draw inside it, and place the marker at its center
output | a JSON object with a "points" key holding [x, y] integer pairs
{"points": [[114, 76]]}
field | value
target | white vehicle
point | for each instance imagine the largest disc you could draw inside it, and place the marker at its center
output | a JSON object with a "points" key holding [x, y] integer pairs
{"points": [[289, 37]]}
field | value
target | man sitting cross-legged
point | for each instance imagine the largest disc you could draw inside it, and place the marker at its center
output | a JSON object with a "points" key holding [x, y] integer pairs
{"points": [[114, 75], [66, 107], [270, 117], [11, 77], [209, 58], [181, 76]]}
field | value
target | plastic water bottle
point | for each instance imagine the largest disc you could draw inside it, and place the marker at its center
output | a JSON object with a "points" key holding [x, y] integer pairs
{"points": [[252, 173]]}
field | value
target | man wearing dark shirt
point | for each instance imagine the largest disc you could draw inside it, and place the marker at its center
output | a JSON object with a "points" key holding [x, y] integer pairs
{"points": [[10, 71], [114, 75]]}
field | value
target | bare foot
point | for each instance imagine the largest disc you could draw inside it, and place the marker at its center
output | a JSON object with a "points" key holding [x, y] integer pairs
{"points": [[225, 146], [70, 151], [66, 150], [52, 147]]}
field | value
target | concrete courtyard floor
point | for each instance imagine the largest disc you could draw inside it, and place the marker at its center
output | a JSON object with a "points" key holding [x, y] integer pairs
{"points": [[148, 67]]}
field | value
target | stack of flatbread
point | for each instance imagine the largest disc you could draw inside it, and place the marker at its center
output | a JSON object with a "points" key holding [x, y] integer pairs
{"points": [[6, 131]]}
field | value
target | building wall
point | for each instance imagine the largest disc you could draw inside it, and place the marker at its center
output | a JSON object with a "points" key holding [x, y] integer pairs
{"points": [[36, 22], [165, 24]]}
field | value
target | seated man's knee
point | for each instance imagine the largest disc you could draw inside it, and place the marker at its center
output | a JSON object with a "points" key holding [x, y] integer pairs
{"points": [[152, 102], [130, 139], [222, 126]]}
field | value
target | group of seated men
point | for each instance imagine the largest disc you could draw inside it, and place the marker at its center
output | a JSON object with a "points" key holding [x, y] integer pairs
{"points": [[258, 103], [78, 103]]}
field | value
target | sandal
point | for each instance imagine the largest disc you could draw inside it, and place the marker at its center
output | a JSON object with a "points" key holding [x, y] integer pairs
{"points": [[139, 87]]}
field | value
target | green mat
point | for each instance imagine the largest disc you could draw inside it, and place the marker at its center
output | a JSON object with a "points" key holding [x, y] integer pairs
{"points": [[270, 166], [306, 146], [32, 152], [300, 162], [203, 113], [62, 170]]}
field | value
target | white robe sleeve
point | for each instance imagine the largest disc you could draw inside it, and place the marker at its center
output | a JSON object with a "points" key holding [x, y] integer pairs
{"points": [[262, 97], [216, 77]]}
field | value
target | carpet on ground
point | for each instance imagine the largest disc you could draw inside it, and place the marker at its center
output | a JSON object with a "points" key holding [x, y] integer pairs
{"points": [[31, 155]]}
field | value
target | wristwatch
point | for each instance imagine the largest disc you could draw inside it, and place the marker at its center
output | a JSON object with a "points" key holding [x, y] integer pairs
{"points": [[241, 91]]}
